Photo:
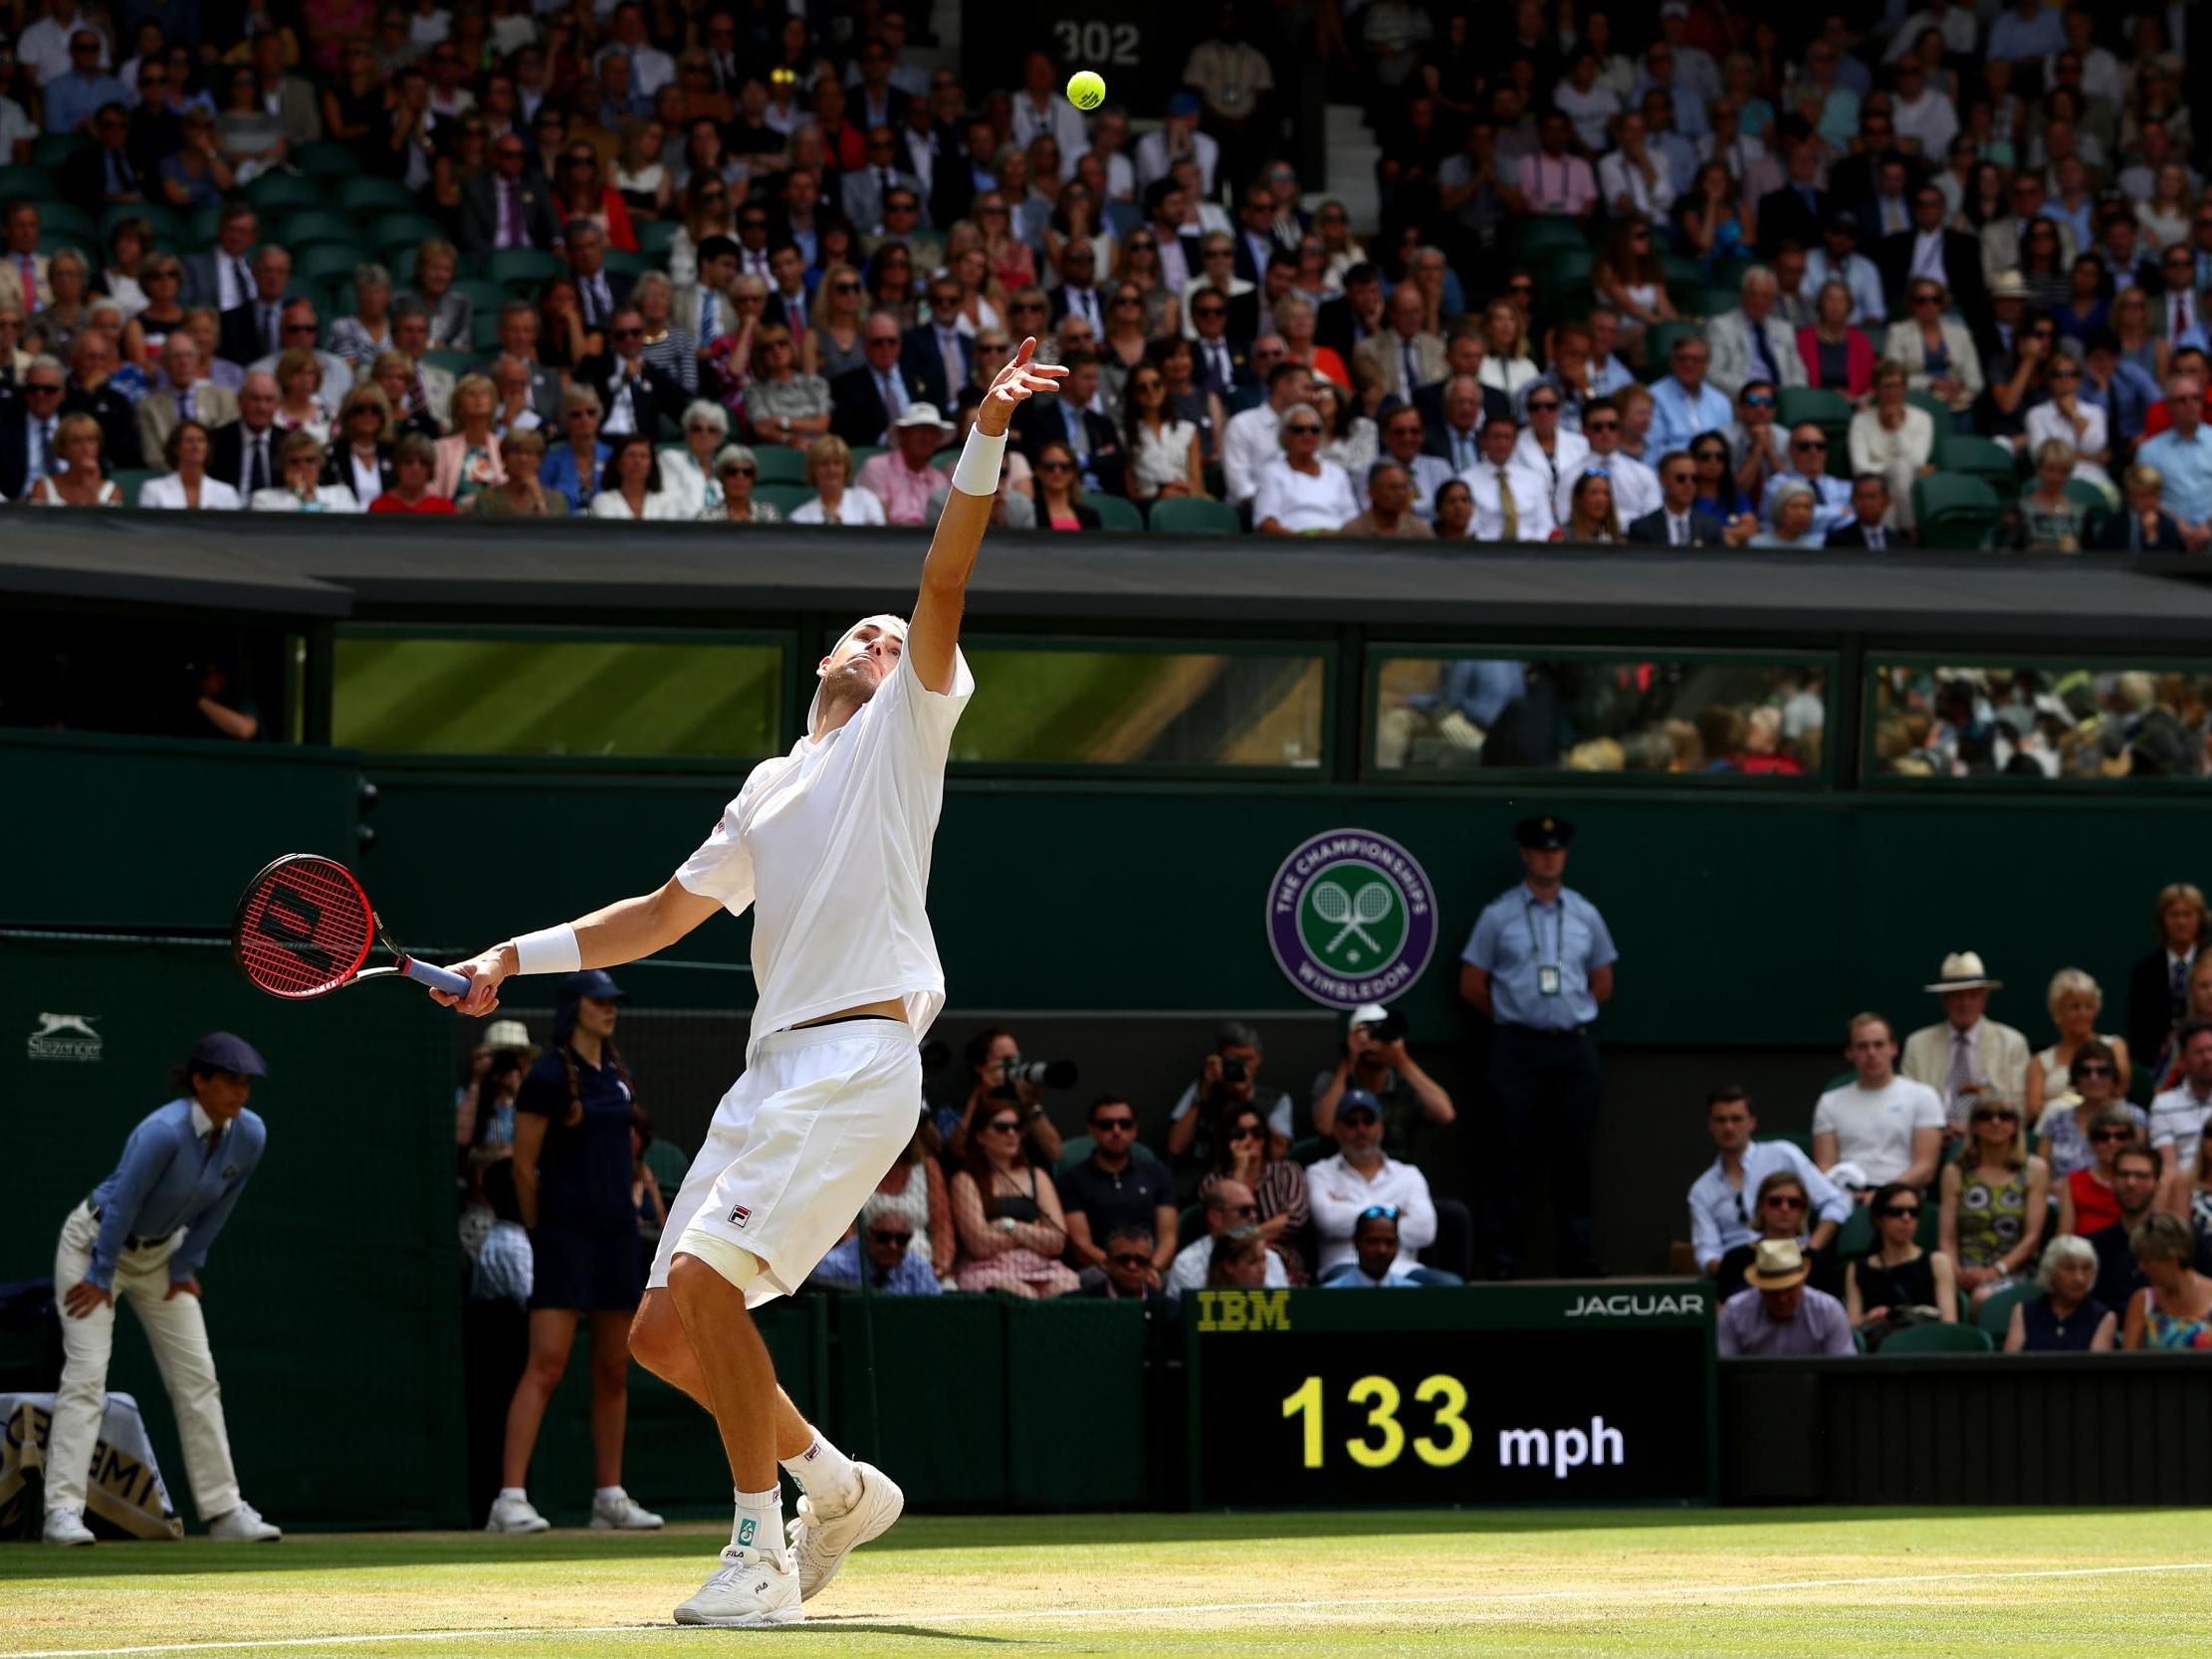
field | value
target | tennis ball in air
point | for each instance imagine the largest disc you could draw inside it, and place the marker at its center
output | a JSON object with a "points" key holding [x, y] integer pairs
{"points": [[1086, 88]]}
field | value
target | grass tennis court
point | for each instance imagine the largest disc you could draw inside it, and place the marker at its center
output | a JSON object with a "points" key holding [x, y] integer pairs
{"points": [[1761, 1584]]}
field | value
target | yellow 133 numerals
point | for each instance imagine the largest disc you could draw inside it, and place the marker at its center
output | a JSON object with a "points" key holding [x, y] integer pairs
{"points": [[1383, 1439]]}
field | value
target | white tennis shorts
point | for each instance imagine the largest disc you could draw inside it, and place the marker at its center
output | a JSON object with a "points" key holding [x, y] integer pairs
{"points": [[797, 1144]]}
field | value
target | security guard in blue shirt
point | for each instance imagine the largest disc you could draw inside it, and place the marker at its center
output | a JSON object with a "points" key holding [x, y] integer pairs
{"points": [[1539, 963], [142, 1235]]}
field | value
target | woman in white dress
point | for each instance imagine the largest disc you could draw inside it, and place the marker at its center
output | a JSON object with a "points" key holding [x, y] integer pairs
{"points": [[1303, 494], [2075, 1000], [186, 484], [1162, 451], [837, 501], [78, 481], [299, 458], [689, 473], [1892, 437], [631, 486]]}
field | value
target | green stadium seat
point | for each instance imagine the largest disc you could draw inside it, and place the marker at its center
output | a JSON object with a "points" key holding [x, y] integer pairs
{"points": [[779, 464], [1658, 342], [201, 226], [1533, 235], [68, 219], [1937, 1338], [326, 159], [863, 454], [85, 242], [33, 184], [403, 230], [273, 196], [456, 364], [486, 297], [483, 327], [57, 147], [168, 227], [1559, 267], [1995, 1315], [1679, 269], [2093, 498], [317, 227], [1934, 408], [1713, 300], [1194, 516], [329, 263], [364, 195], [619, 259], [786, 497], [1856, 1237], [520, 271], [1189, 1222], [1115, 513], [399, 260], [1829, 410], [1954, 509], [1311, 1150], [1982, 458], [128, 480], [654, 236], [668, 1164]]}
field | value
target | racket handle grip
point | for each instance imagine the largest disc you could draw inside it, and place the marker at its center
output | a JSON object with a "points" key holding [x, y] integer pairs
{"points": [[437, 979]]}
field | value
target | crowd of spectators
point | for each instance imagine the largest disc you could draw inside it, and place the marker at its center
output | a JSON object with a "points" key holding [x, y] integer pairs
{"points": [[1967, 1178], [2042, 723], [1705, 277]]}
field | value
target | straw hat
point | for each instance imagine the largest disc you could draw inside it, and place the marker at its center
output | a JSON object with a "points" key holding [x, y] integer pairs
{"points": [[1963, 971], [1778, 1265]]}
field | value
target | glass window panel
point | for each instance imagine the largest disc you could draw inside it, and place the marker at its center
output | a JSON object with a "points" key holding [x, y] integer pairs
{"points": [[609, 698], [1714, 717], [2052, 722], [1145, 706]]}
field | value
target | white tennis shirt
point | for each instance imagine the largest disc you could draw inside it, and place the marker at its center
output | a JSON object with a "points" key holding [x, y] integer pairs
{"points": [[830, 846]]}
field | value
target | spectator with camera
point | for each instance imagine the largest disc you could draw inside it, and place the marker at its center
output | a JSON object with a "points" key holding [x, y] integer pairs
{"points": [[1229, 1072], [1878, 1128], [1375, 1059], [995, 1060], [1230, 1209], [1119, 1188], [1362, 1176], [1721, 1221], [1131, 1270]]}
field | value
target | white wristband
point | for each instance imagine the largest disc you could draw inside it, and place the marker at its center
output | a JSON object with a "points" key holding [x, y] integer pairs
{"points": [[978, 470], [548, 950]]}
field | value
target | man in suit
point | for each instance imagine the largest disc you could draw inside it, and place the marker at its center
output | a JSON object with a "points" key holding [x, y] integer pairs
{"points": [[599, 289], [289, 96], [863, 189], [511, 206], [935, 355], [1752, 343], [1217, 270], [1221, 365], [864, 401], [518, 328], [635, 393], [902, 223], [1354, 315], [102, 171], [252, 331], [1079, 293], [185, 392], [2003, 235], [28, 427], [23, 278], [221, 277], [91, 392], [243, 453], [1407, 354], [1071, 416], [1800, 210], [790, 302], [1932, 250], [1870, 507], [1966, 1052], [1677, 523], [1454, 434], [702, 307], [2177, 305], [431, 391], [2143, 525]]}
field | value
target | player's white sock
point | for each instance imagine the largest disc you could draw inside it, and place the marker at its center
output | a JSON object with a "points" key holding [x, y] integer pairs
{"points": [[826, 1476], [605, 1494], [515, 1492], [759, 1524]]}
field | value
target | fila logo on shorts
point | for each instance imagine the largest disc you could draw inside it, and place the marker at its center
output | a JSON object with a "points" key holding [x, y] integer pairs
{"points": [[740, 1215]]}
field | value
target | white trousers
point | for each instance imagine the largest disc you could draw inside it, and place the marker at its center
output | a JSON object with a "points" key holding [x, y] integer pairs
{"points": [[179, 1337]]}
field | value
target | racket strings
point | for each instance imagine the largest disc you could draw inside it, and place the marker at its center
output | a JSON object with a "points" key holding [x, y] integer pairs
{"points": [[303, 927]]}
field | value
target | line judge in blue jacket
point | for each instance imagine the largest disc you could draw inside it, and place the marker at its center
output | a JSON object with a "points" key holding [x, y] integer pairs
{"points": [[143, 1234]]}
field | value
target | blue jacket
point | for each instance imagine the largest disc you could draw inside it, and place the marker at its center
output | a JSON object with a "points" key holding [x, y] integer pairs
{"points": [[167, 1180]]}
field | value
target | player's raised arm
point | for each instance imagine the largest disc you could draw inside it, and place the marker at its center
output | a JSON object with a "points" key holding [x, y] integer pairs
{"points": [[934, 634], [618, 932]]}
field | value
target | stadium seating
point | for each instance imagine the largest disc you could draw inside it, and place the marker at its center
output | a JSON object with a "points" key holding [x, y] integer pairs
{"points": [[1114, 514], [1995, 1315], [779, 464], [1954, 509], [1936, 1338], [1194, 516]]}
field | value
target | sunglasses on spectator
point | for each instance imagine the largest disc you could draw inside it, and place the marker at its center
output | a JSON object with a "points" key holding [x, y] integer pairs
{"points": [[1601, 426], [1543, 406], [2104, 1135], [1379, 1212], [39, 388], [1358, 1114], [1247, 1211], [1020, 305], [1710, 455], [890, 1235], [2096, 1068], [1056, 466], [1005, 1125], [1926, 298], [1113, 1123], [1784, 1201], [1759, 400], [738, 471], [1681, 476], [847, 287], [1210, 310], [1997, 1115], [1304, 428], [1900, 1212], [1809, 443], [1131, 1259], [1246, 1131]]}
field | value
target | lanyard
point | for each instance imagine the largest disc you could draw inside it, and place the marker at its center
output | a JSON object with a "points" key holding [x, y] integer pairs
{"points": [[1535, 939]]}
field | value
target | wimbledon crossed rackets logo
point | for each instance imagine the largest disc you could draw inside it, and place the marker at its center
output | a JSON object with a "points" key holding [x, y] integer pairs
{"points": [[1351, 919]]}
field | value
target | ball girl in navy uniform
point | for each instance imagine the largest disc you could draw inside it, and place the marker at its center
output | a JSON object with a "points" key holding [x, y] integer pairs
{"points": [[573, 1167]]}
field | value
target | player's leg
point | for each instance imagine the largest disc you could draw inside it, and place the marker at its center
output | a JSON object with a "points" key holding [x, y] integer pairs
{"points": [[87, 1344], [553, 1332], [658, 1343]]}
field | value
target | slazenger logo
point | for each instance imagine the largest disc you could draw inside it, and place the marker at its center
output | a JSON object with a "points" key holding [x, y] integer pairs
{"points": [[64, 1037], [1350, 918], [1622, 1304]]}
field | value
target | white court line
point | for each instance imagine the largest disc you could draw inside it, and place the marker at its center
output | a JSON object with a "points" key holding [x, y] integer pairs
{"points": [[860, 1622]]}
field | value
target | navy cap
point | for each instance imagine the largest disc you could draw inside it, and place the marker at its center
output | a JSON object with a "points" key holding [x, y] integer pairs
{"points": [[1545, 832], [1357, 1099], [1183, 103], [225, 1053], [593, 982]]}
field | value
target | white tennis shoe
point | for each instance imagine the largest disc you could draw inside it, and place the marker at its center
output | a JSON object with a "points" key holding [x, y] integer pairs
{"points": [[243, 1525], [820, 1544], [750, 1587], [66, 1526], [619, 1511], [516, 1515]]}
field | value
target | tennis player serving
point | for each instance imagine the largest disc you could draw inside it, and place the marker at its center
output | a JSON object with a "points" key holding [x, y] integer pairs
{"points": [[830, 845]]}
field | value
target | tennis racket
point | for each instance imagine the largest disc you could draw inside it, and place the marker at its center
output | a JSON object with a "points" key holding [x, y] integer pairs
{"points": [[303, 927]]}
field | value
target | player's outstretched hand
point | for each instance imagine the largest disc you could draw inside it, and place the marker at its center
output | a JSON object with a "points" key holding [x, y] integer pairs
{"points": [[484, 972], [1020, 379]]}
